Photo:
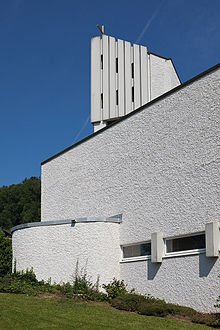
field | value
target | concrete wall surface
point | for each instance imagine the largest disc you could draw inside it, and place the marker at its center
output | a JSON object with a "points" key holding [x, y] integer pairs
{"points": [[188, 280], [159, 168], [54, 251]]}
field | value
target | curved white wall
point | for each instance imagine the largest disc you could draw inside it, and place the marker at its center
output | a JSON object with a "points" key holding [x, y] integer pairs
{"points": [[53, 251]]}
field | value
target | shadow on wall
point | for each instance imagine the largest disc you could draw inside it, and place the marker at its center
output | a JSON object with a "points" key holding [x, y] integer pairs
{"points": [[206, 265], [152, 269]]}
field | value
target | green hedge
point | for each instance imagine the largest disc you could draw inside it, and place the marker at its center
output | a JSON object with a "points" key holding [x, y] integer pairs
{"points": [[156, 307]]}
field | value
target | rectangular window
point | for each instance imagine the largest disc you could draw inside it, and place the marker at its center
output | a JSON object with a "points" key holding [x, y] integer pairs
{"points": [[132, 94], [101, 100], [193, 242], [116, 64], [117, 97], [137, 250], [132, 70], [101, 62]]}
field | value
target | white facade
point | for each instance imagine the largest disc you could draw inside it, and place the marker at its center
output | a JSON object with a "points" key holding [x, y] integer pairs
{"points": [[124, 77], [158, 167]]}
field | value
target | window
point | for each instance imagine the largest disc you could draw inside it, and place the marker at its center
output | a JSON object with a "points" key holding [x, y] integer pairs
{"points": [[101, 62], [137, 250], [193, 242], [132, 70], [101, 100], [116, 65], [132, 94], [117, 97]]}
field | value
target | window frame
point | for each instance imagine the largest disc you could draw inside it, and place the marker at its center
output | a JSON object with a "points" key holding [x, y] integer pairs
{"points": [[137, 258], [183, 252]]}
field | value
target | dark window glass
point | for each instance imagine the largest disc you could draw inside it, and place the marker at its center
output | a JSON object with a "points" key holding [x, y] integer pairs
{"points": [[117, 97], [186, 243], [137, 250], [146, 249], [132, 70], [101, 100], [101, 62], [116, 65], [132, 93]]}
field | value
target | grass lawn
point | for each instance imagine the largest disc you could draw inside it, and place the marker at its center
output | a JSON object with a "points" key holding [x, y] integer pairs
{"points": [[23, 312]]}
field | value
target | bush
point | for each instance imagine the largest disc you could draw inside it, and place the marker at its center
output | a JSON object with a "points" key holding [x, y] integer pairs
{"points": [[148, 305], [211, 320], [145, 305], [27, 283], [154, 309], [128, 302], [115, 288], [5, 254]]}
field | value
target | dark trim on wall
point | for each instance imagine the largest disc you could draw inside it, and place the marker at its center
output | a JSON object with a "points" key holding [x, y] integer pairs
{"points": [[165, 58], [161, 97]]}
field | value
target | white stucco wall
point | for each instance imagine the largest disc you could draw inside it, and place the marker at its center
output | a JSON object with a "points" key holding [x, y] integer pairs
{"points": [[189, 280], [53, 251], [163, 76], [159, 167]]}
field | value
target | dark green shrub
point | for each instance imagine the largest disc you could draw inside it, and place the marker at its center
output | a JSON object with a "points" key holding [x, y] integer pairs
{"points": [[148, 305], [154, 309], [115, 288], [129, 302], [212, 320], [143, 305], [83, 286], [27, 276], [181, 310], [12, 284], [5, 254], [27, 283]]}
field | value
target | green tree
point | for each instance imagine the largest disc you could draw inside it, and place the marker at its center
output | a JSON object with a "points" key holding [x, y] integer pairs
{"points": [[5, 254], [20, 203]]}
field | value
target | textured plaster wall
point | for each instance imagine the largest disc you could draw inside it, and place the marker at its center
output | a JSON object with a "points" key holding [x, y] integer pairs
{"points": [[53, 251], [162, 76], [157, 167], [190, 281]]}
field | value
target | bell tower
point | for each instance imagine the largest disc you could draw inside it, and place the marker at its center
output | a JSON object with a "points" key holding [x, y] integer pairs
{"points": [[124, 77]]}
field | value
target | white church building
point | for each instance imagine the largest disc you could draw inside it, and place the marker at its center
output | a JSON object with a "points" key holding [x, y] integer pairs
{"points": [[137, 199]]}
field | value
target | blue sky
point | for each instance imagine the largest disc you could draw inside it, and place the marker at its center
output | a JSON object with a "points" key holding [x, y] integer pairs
{"points": [[45, 65]]}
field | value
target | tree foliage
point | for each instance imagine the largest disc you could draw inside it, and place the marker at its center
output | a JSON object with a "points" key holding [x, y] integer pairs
{"points": [[20, 203], [5, 254]]}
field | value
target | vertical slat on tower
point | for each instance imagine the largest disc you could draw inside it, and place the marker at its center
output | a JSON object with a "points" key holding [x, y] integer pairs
{"points": [[112, 77], [137, 80], [144, 75], [95, 79], [149, 78], [105, 47], [128, 77], [121, 79]]}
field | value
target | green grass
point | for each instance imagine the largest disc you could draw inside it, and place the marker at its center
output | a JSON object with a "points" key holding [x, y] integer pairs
{"points": [[24, 312]]}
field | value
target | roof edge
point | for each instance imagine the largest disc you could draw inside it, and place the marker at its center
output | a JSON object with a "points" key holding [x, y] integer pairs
{"points": [[161, 97]]}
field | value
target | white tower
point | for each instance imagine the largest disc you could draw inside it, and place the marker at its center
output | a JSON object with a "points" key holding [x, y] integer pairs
{"points": [[125, 77]]}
